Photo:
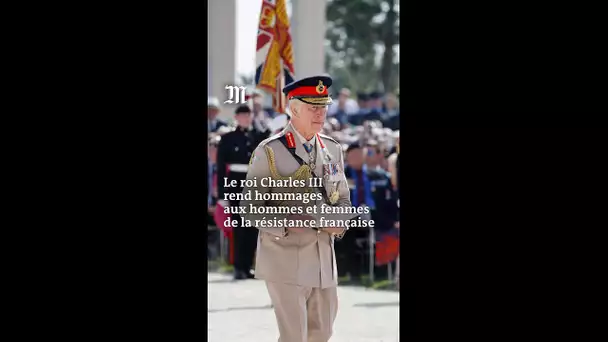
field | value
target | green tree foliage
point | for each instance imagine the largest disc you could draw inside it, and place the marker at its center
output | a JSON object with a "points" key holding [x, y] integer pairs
{"points": [[362, 36]]}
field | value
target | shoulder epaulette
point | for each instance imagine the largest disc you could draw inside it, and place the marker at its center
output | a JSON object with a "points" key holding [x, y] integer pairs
{"points": [[269, 139], [328, 138]]}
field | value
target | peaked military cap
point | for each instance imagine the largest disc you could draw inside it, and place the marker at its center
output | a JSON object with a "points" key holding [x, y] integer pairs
{"points": [[362, 97], [311, 90], [375, 95], [354, 146], [242, 109]]}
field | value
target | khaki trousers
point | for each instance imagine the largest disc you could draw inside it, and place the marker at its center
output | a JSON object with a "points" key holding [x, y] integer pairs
{"points": [[304, 314]]}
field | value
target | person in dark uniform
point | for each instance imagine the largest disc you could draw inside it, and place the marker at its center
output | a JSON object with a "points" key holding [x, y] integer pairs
{"points": [[384, 210], [391, 119], [363, 101], [372, 188], [343, 108], [376, 112], [233, 155]]}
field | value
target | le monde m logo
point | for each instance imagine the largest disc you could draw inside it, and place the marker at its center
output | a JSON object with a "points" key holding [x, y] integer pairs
{"points": [[236, 95]]}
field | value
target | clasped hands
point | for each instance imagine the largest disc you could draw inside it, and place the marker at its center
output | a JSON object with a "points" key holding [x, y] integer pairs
{"points": [[297, 230]]}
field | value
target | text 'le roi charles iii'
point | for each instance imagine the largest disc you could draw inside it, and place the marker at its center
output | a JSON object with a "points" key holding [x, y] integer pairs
{"points": [[269, 182]]}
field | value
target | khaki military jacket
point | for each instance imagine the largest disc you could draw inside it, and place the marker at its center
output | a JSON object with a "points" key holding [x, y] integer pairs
{"points": [[306, 258]]}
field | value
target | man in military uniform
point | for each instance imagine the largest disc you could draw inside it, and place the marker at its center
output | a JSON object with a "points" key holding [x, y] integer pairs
{"points": [[233, 154], [298, 263]]}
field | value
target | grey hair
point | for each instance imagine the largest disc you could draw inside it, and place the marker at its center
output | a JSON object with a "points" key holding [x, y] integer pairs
{"points": [[294, 103]]}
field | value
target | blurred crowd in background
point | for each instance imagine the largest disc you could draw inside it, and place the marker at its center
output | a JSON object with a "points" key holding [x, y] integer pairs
{"points": [[367, 126]]}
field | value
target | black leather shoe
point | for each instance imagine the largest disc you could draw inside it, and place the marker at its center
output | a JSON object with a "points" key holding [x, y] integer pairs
{"points": [[239, 275]]}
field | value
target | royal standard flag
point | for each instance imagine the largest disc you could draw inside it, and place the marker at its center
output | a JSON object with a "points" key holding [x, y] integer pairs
{"points": [[274, 52]]}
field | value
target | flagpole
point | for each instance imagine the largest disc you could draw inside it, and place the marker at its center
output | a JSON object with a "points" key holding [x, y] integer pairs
{"points": [[280, 100]]}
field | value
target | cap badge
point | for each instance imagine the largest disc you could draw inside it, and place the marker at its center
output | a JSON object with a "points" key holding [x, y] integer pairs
{"points": [[320, 87]]}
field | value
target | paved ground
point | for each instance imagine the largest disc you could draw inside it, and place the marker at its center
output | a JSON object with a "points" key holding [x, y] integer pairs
{"points": [[364, 315]]}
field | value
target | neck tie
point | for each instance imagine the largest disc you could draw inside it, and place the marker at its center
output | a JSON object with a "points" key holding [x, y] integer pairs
{"points": [[308, 147], [311, 158]]}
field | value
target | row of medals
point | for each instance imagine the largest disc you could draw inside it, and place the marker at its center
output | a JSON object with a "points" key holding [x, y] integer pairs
{"points": [[334, 195]]}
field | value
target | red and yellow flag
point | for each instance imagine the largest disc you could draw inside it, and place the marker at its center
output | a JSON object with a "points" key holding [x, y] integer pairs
{"points": [[274, 52]]}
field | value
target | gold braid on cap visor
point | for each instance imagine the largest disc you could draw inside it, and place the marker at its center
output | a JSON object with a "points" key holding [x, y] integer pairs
{"points": [[322, 100]]}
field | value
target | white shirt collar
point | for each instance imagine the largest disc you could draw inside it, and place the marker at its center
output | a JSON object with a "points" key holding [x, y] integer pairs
{"points": [[303, 140]]}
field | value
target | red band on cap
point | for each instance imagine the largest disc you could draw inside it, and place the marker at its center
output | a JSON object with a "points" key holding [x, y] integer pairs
{"points": [[290, 141], [307, 91]]}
